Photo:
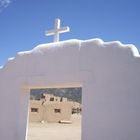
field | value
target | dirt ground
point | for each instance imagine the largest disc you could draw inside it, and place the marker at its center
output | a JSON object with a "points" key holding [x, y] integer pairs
{"points": [[56, 131]]}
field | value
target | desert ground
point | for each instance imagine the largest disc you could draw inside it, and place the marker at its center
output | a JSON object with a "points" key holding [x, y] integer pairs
{"points": [[56, 131]]}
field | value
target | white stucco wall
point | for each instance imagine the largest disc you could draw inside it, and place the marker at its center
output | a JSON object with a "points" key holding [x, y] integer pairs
{"points": [[107, 71]]}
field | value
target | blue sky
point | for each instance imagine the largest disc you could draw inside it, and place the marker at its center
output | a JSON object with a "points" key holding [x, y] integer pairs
{"points": [[23, 22]]}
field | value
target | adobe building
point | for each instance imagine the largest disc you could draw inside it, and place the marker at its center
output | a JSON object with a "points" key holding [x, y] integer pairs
{"points": [[51, 108]]}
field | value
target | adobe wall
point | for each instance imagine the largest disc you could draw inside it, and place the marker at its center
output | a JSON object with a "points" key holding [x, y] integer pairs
{"points": [[107, 71], [36, 116], [51, 116], [46, 112]]}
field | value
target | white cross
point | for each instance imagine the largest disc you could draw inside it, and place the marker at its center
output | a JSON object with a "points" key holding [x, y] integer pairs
{"points": [[57, 30]]}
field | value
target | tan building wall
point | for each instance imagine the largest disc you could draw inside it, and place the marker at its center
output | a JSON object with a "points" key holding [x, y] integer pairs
{"points": [[55, 112], [50, 98], [35, 111], [50, 108]]}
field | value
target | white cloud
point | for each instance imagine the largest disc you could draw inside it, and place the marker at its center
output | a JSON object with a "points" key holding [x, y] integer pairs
{"points": [[4, 4]]}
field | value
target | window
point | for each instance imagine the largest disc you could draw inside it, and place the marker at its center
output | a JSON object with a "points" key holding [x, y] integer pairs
{"points": [[57, 110], [51, 99], [34, 109], [61, 99]]}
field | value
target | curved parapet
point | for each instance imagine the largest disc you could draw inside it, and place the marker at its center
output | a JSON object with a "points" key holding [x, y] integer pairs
{"points": [[41, 49]]}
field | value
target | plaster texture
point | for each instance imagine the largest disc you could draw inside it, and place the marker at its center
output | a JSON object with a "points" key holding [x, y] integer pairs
{"points": [[108, 73]]}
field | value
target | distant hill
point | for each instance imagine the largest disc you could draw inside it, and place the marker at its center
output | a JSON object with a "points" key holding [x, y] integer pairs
{"points": [[73, 94]]}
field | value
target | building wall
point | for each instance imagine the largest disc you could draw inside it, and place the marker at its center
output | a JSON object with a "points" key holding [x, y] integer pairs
{"points": [[36, 116], [48, 98], [65, 112], [108, 73], [48, 110]]}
